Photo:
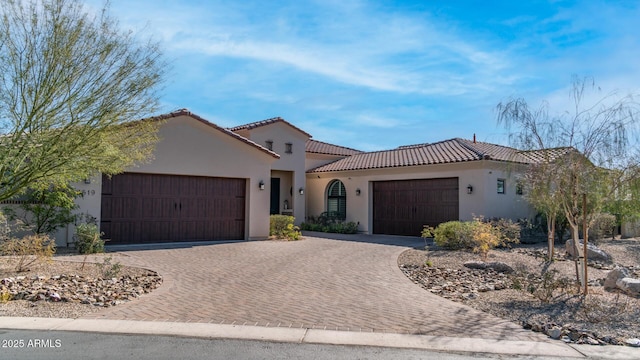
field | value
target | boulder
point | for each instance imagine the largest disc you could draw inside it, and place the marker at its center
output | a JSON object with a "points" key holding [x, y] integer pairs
{"points": [[555, 332], [593, 252], [610, 283], [629, 285]]}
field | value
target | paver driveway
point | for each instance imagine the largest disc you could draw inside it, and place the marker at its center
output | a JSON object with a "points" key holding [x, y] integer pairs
{"points": [[313, 283]]}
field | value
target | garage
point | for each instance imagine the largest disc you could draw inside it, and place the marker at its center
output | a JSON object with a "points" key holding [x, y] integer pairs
{"points": [[148, 208], [402, 207]]}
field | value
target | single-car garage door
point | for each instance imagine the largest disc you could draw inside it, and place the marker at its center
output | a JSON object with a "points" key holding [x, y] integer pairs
{"points": [[403, 207], [143, 208]]}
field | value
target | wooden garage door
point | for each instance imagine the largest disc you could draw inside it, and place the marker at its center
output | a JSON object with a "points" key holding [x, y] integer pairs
{"points": [[143, 208], [402, 207]]}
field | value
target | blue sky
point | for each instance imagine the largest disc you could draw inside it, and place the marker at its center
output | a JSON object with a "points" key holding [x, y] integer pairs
{"points": [[378, 74]]}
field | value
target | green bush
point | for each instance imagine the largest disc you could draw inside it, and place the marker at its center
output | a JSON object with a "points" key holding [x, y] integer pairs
{"points": [[330, 222], [478, 235], [343, 228], [602, 225], [281, 227], [453, 235], [88, 239]]}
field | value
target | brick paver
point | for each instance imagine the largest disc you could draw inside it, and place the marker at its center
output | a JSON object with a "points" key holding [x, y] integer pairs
{"points": [[314, 283]]}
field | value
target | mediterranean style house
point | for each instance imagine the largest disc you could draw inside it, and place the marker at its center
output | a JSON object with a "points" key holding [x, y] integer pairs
{"points": [[208, 182]]}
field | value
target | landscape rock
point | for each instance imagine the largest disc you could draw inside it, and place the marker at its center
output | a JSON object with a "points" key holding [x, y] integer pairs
{"points": [[610, 283], [633, 342], [555, 332], [495, 265], [84, 290], [593, 252], [629, 285], [456, 284]]}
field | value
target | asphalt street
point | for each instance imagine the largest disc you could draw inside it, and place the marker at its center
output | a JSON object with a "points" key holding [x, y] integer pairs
{"points": [[36, 345]]}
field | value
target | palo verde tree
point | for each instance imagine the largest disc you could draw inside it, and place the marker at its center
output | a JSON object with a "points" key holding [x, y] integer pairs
{"points": [[584, 157], [71, 84]]}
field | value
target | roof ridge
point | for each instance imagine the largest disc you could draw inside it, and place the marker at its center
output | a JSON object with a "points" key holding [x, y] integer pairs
{"points": [[341, 146], [268, 121], [465, 144]]}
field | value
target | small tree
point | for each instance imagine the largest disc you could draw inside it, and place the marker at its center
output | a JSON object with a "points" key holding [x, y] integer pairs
{"points": [[70, 85], [597, 161], [46, 210]]}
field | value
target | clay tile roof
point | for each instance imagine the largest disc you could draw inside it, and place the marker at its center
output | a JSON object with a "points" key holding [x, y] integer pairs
{"points": [[270, 121], [319, 147], [448, 151], [186, 112], [545, 155]]}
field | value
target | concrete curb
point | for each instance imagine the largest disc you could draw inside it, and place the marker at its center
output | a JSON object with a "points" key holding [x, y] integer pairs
{"points": [[301, 335]]}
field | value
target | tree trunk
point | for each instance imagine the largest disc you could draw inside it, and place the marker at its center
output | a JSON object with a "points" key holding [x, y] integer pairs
{"points": [[551, 233], [575, 236], [585, 230]]}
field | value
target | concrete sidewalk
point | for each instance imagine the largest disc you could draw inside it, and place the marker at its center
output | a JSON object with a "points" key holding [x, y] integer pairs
{"points": [[314, 336]]}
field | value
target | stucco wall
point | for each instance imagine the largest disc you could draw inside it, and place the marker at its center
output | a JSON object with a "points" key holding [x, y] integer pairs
{"points": [[190, 147], [482, 175], [280, 134]]}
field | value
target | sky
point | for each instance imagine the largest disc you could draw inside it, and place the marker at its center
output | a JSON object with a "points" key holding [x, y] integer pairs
{"points": [[375, 75]]}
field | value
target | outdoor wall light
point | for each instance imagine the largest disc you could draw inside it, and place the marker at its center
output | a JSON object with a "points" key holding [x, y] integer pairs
{"points": [[357, 192], [301, 191], [261, 185], [469, 189], [87, 181]]}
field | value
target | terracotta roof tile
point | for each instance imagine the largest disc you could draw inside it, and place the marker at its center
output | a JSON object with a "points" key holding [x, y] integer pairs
{"points": [[319, 147], [448, 151], [270, 121], [185, 112], [545, 155]]}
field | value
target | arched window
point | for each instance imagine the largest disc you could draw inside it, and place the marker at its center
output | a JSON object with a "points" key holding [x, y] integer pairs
{"points": [[337, 199]]}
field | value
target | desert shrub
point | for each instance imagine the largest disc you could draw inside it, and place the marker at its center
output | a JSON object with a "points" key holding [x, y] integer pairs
{"points": [[602, 225], [30, 250], [478, 235], [597, 309], [545, 287], [281, 227], [508, 229], [330, 222], [108, 269], [88, 239], [5, 295], [484, 237], [453, 235]]}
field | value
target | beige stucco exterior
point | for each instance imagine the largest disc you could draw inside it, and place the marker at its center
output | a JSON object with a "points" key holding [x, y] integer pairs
{"points": [[290, 168], [481, 175], [188, 146], [191, 146]]}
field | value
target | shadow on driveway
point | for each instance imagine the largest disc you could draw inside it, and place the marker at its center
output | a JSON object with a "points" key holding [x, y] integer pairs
{"points": [[403, 241]]}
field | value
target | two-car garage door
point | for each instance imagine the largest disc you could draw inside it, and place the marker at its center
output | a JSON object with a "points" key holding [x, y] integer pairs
{"points": [[403, 207], [143, 208]]}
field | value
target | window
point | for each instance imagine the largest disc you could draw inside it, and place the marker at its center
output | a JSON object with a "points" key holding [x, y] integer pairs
{"points": [[501, 186], [269, 144], [288, 148], [337, 199]]}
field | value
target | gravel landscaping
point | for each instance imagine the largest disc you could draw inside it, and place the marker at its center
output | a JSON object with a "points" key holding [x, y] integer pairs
{"points": [[524, 296], [71, 289]]}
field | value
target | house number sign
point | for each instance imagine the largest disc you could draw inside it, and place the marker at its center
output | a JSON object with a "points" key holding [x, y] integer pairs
{"points": [[88, 192]]}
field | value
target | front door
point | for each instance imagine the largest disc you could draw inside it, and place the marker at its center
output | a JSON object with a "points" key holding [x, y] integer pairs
{"points": [[275, 196]]}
